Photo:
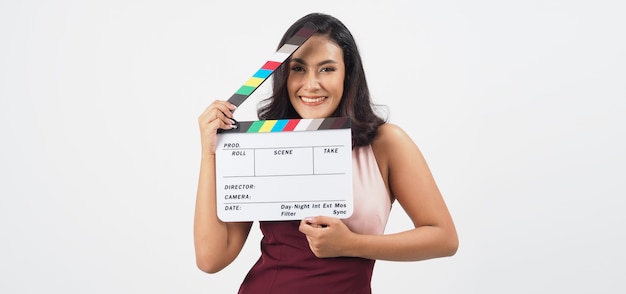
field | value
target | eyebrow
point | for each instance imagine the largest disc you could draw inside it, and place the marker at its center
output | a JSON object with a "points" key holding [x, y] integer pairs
{"points": [[300, 60]]}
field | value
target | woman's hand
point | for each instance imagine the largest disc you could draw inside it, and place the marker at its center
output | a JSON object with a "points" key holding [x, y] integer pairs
{"points": [[327, 236], [217, 116]]}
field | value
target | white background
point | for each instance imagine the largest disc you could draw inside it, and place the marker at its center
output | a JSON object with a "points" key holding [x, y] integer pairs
{"points": [[518, 106]]}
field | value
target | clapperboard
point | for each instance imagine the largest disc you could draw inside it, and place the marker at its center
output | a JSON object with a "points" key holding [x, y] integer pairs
{"points": [[285, 170]]}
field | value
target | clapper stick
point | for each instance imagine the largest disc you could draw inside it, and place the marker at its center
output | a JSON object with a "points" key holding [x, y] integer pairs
{"points": [[273, 63]]}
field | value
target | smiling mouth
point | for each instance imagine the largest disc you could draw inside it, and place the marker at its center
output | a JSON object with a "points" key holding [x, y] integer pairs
{"points": [[312, 99]]}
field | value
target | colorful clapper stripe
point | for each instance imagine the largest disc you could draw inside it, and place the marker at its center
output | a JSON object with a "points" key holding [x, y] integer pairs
{"points": [[273, 63], [292, 125]]}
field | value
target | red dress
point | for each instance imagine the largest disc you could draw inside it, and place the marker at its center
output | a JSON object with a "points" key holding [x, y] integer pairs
{"points": [[287, 264]]}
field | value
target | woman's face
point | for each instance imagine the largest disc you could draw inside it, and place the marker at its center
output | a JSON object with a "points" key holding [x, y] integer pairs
{"points": [[316, 75]]}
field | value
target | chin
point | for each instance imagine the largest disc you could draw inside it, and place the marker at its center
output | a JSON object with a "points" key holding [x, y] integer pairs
{"points": [[310, 115]]}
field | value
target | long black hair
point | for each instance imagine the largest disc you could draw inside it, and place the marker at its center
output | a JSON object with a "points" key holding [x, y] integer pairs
{"points": [[355, 102]]}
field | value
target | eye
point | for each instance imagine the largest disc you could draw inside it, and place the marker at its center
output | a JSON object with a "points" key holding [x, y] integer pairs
{"points": [[297, 68], [327, 69]]}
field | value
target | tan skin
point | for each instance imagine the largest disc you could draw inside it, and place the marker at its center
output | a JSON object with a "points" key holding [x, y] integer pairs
{"points": [[315, 85]]}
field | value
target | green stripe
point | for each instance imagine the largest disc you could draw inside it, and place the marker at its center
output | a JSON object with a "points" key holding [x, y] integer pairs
{"points": [[245, 90], [256, 126]]}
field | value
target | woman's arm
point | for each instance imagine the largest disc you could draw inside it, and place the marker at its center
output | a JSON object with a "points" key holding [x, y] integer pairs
{"points": [[410, 181], [216, 243]]}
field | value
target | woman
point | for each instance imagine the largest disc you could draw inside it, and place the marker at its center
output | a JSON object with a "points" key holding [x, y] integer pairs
{"points": [[321, 254]]}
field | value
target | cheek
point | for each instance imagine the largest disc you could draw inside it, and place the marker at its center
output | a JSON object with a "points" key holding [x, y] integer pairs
{"points": [[338, 86], [292, 86], [290, 91]]}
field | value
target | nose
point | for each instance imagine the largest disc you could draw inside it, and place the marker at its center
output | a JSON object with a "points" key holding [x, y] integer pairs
{"points": [[311, 81]]}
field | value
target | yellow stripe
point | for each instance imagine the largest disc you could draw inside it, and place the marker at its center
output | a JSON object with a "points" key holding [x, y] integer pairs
{"points": [[253, 82], [267, 126]]}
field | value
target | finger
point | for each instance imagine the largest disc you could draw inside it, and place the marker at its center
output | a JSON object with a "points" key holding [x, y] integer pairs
{"points": [[221, 121], [319, 221], [305, 227], [224, 107], [215, 115]]}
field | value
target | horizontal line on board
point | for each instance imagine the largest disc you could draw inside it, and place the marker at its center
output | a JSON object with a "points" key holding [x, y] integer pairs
{"points": [[271, 202], [300, 175]]}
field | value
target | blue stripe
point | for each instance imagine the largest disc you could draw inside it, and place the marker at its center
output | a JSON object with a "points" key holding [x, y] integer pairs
{"points": [[262, 73], [280, 125]]}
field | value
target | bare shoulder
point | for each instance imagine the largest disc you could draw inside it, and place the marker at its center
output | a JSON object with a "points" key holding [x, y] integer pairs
{"points": [[391, 136], [392, 147], [389, 129]]}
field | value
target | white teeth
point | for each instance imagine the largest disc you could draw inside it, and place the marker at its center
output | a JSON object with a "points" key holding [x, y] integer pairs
{"points": [[312, 100]]}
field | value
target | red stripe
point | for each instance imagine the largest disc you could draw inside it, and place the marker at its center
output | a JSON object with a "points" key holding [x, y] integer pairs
{"points": [[271, 65], [291, 125]]}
